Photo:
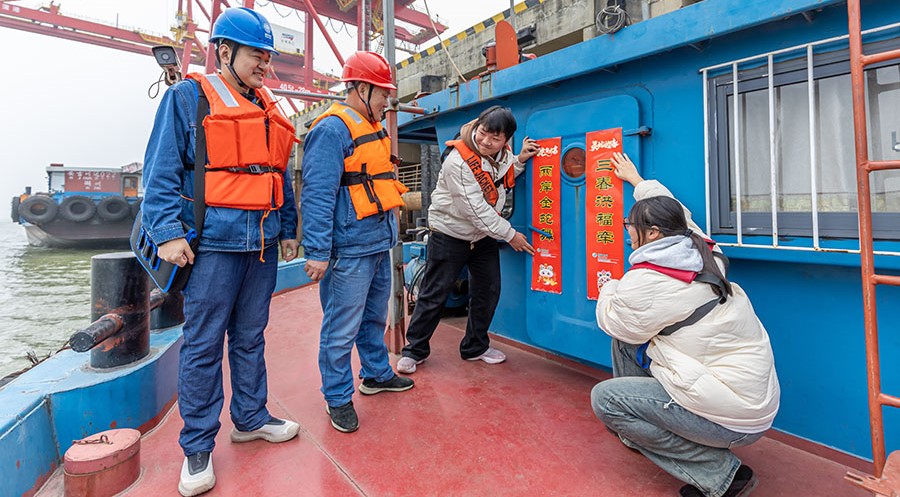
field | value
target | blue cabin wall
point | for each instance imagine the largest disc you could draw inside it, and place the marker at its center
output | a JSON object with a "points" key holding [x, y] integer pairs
{"points": [[810, 303]]}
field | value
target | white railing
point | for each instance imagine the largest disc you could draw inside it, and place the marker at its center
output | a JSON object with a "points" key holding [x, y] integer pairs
{"points": [[773, 161]]}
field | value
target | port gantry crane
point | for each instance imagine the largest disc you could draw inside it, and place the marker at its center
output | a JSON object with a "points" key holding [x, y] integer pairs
{"points": [[291, 71]]}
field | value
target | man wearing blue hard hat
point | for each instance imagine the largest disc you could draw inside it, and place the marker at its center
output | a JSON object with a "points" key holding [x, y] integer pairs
{"points": [[245, 199]]}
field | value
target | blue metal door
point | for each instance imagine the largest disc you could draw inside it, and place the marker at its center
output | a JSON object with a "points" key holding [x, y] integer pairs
{"points": [[565, 323]]}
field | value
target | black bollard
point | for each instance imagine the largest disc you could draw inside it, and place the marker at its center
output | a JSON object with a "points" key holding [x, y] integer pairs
{"points": [[169, 313], [120, 286]]}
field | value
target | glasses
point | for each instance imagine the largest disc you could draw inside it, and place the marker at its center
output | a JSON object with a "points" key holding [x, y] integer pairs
{"points": [[627, 223]]}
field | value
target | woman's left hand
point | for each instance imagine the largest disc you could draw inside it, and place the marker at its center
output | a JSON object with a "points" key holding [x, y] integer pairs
{"points": [[529, 149]]}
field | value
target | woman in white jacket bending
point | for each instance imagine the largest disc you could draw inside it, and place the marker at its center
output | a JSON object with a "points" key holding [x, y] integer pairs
{"points": [[694, 370]]}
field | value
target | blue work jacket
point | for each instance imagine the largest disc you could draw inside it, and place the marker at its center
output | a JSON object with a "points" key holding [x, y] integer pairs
{"points": [[330, 227], [168, 187]]}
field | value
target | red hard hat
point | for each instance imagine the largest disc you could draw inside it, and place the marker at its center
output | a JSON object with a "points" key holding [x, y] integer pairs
{"points": [[368, 67]]}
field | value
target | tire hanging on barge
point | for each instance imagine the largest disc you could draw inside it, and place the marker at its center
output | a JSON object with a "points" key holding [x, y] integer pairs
{"points": [[38, 209], [77, 208], [113, 208], [14, 210]]}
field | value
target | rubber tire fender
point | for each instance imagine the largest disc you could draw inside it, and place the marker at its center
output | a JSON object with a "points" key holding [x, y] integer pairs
{"points": [[114, 208], [14, 211], [46, 209], [77, 208]]}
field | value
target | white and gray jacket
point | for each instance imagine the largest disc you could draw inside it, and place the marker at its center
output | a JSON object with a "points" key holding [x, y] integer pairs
{"points": [[458, 207], [722, 367]]}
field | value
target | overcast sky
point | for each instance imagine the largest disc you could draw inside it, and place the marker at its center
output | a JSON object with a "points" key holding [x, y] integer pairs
{"points": [[83, 105]]}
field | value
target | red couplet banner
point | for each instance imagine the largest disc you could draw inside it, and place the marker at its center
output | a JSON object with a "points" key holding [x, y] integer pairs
{"points": [[605, 235], [546, 265]]}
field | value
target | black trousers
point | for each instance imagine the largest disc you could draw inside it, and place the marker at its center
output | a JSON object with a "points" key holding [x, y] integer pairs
{"points": [[445, 258]]}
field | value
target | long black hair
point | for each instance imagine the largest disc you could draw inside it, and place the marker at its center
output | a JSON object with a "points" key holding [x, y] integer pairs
{"points": [[667, 215]]}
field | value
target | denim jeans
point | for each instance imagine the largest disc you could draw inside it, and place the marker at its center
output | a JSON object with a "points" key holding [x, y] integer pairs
{"points": [[354, 295], [685, 445], [228, 292], [445, 257]]}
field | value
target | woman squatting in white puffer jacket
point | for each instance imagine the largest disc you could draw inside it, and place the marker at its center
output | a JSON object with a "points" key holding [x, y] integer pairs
{"points": [[683, 399]]}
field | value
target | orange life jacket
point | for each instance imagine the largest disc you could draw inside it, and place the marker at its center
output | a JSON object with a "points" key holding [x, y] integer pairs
{"points": [[247, 147], [369, 170], [485, 181]]}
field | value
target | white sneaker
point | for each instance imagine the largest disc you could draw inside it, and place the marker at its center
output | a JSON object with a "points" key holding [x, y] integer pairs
{"points": [[197, 475], [407, 365], [490, 356], [275, 431]]}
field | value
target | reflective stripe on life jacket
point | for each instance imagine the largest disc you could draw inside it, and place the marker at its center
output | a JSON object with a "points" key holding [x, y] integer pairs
{"points": [[369, 170], [485, 181], [247, 147]]}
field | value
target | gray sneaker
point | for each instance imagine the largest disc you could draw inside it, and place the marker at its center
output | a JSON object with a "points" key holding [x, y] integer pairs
{"points": [[197, 475], [407, 365], [490, 356], [274, 431]]}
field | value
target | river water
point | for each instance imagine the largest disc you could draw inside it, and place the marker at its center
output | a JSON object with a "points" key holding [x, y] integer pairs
{"points": [[45, 296]]}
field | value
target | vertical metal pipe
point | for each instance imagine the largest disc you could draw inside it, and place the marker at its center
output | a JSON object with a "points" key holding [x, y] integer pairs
{"points": [[773, 177], [311, 10], [389, 41], [873, 366], [737, 155], [362, 31], [512, 15], [813, 144], [190, 29], [120, 286], [706, 149], [211, 48], [396, 338], [308, 68]]}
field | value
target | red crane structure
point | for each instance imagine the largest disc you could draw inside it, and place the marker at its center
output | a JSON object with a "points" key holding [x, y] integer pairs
{"points": [[290, 71]]}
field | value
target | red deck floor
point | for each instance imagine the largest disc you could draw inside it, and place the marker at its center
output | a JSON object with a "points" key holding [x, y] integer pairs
{"points": [[522, 428]]}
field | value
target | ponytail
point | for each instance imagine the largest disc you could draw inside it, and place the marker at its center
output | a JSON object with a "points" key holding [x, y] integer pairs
{"points": [[709, 264]]}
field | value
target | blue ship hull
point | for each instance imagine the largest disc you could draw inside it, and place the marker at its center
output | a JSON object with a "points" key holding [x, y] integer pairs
{"points": [[648, 77]]}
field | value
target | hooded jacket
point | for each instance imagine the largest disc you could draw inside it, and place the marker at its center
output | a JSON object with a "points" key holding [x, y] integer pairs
{"points": [[458, 207], [722, 367]]}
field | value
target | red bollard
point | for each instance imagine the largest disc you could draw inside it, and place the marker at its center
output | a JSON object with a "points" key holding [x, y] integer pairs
{"points": [[103, 464]]}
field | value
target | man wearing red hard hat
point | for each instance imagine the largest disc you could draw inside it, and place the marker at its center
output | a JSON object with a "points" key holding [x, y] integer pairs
{"points": [[348, 197]]}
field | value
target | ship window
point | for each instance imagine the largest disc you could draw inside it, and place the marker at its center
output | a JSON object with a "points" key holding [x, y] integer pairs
{"points": [[573, 162], [57, 182], [833, 152]]}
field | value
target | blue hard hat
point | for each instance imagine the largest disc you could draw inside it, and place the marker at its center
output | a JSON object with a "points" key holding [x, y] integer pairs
{"points": [[245, 27]]}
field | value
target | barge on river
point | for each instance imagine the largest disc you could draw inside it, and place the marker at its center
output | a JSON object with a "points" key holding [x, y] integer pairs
{"points": [[83, 207]]}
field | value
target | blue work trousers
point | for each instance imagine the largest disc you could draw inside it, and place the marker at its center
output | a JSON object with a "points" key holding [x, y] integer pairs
{"points": [[354, 295], [687, 446], [228, 292]]}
